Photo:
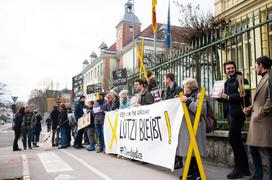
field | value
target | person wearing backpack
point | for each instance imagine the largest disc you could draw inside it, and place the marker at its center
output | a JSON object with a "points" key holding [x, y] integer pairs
{"points": [[29, 122], [233, 99], [191, 98]]}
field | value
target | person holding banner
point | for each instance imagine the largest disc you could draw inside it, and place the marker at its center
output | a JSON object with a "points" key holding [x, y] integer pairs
{"points": [[99, 109], [124, 100], [172, 88], [115, 99], [145, 97], [191, 98], [233, 99], [152, 86]]}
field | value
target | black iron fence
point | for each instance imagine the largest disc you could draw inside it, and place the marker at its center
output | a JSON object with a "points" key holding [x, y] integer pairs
{"points": [[243, 41]]}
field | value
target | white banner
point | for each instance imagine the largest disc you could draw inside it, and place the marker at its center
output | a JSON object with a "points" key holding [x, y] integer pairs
{"points": [[146, 133]]}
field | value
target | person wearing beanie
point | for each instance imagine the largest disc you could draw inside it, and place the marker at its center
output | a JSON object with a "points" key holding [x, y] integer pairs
{"points": [[115, 99]]}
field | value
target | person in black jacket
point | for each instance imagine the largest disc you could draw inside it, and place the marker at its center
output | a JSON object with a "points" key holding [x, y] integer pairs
{"points": [[17, 127], [37, 128], [63, 125], [234, 99], [172, 88], [55, 122], [78, 114], [172, 91]]}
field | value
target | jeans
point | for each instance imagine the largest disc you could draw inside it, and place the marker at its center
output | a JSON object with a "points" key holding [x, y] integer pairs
{"points": [[237, 145], [63, 133], [36, 137], [100, 135], [17, 133], [27, 133], [90, 131], [257, 161]]}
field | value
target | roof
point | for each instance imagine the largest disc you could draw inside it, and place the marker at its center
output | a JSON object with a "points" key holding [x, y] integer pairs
{"points": [[148, 33], [112, 47]]}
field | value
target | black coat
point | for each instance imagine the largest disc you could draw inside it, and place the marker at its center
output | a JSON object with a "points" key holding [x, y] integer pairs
{"points": [[63, 119], [116, 104], [234, 105], [172, 92], [18, 122], [55, 118], [79, 110], [38, 126]]}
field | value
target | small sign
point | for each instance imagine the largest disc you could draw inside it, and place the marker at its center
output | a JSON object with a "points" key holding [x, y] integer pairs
{"points": [[218, 88], [94, 88], [119, 77], [14, 98], [84, 121]]}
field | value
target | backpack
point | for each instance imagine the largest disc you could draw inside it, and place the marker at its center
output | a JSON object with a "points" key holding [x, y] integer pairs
{"points": [[210, 119]]}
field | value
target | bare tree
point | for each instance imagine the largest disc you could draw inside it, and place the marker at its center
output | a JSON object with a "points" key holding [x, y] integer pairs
{"points": [[197, 26]]}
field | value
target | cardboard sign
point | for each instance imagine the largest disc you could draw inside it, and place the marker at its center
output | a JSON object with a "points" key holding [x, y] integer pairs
{"points": [[119, 77], [218, 88], [84, 121], [94, 88]]}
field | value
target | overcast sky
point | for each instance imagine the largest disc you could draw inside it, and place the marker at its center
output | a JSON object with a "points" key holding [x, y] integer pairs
{"points": [[49, 39]]}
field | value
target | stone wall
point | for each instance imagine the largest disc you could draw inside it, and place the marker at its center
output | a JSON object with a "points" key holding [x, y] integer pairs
{"points": [[219, 152]]}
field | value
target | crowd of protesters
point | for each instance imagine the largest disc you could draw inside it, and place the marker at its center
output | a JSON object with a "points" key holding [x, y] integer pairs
{"points": [[27, 123], [236, 102]]}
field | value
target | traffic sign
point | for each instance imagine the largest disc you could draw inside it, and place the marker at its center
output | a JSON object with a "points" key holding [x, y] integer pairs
{"points": [[14, 98]]}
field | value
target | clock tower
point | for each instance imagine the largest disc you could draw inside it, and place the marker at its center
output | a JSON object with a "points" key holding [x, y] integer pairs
{"points": [[126, 26]]}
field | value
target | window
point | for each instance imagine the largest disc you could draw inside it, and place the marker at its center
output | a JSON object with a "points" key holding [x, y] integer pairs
{"points": [[101, 69]]}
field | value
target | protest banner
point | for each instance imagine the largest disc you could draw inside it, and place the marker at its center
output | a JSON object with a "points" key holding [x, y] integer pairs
{"points": [[146, 133], [84, 121]]}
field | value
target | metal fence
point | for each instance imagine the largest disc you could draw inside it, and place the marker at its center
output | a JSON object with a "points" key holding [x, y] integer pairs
{"points": [[243, 41]]}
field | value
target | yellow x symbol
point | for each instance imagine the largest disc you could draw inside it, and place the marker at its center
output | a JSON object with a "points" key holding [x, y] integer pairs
{"points": [[141, 59], [192, 133], [113, 129]]}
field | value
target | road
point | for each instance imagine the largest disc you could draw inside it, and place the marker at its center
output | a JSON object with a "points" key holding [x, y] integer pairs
{"points": [[51, 163]]}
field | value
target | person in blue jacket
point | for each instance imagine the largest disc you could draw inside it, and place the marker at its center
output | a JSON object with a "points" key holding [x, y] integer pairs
{"points": [[17, 127]]}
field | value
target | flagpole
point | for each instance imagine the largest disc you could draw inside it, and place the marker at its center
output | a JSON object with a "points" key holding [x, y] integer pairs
{"points": [[154, 44], [133, 34]]}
